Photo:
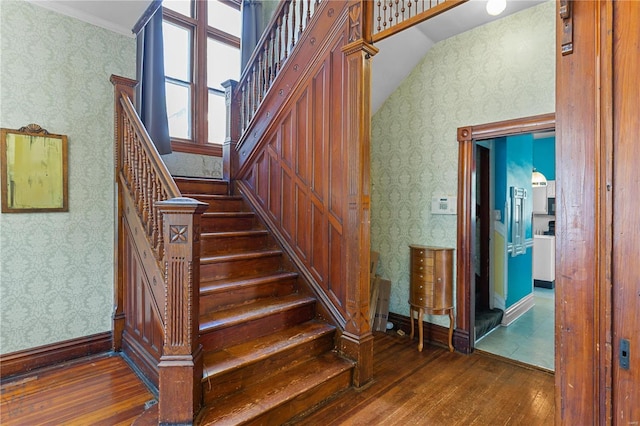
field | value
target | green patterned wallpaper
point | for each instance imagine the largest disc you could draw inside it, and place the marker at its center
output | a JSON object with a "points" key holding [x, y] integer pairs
{"points": [[56, 276], [500, 71]]}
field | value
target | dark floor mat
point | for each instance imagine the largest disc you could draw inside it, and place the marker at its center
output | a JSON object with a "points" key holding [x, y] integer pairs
{"points": [[487, 320]]}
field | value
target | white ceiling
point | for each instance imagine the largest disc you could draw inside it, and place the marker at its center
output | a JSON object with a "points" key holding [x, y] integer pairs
{"points": [[115, 15], [398, 55]]}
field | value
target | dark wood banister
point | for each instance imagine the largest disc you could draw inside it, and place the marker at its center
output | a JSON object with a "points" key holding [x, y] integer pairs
{"points": [[403, 24], [284, 31], [171, 226]]}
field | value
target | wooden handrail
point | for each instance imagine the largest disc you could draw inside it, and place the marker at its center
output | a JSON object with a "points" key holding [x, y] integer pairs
{"points": [[392, 16], [144, 173], [291, 18], [160, 320]]}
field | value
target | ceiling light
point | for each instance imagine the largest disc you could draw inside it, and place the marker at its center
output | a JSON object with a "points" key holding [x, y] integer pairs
{"points": [[496, 7], [538, 179]]}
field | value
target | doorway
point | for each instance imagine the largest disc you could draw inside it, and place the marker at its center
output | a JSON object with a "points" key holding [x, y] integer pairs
{"points": [[469, 217], [514, 292]]}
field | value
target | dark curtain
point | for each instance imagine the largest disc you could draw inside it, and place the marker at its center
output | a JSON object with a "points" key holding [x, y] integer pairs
{"points": [[150, 92], [252, 27]]}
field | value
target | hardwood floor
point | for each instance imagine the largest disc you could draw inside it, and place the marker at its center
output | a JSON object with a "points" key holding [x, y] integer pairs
{"points": [[100, 390], [435, 387], [432, 387]]}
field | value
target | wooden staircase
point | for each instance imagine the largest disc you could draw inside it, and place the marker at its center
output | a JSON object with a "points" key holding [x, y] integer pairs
{"points": [[267, 355]]}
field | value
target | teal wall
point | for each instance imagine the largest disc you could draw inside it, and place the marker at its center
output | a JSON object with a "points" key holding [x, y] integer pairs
{"points": [[56, 269], [519, 165], [544, 157], [513, 165], [500, 71]]}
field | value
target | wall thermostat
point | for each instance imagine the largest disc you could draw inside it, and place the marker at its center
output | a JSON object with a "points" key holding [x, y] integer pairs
{"points": [[444, 205]]}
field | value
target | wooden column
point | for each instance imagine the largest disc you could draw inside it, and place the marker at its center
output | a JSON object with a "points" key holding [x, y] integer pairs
{"points": [[357, 340], [583, 144], [180, 368], [465, 299], [121, 85], [229, 154]]}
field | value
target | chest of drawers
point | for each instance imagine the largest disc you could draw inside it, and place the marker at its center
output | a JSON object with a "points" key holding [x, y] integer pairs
{"points": [[431, 286]]}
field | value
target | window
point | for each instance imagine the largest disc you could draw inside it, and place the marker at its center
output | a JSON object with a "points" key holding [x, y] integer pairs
{"points": [[201, 50]]}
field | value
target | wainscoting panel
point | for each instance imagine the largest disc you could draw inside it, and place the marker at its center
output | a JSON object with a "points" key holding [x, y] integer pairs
{"points": [[297, 175]]}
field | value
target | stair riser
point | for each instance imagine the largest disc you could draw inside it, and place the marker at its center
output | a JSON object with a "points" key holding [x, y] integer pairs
{"points": [[225, 205], [233, 381], [240, 268], [213, 301], [210, 246], [228, 336], [194, 187], [304, 402], [222, 224]]}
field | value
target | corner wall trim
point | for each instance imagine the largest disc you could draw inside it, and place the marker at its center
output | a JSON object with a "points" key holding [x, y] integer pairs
{"points": [[21, 362]]}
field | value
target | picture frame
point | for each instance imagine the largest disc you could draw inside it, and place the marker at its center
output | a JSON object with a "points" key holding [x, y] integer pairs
{"points": [[33, 170]]}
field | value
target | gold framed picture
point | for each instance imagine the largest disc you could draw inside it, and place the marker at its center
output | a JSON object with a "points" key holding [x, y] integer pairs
{"points": [[34, 170]]}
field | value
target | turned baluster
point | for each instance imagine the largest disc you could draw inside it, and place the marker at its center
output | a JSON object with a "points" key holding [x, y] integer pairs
{"points": [[286, 30]]}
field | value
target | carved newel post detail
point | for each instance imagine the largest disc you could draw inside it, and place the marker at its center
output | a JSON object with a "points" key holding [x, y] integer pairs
{"points": [[357, 341], [229, 154], [180, 367]]}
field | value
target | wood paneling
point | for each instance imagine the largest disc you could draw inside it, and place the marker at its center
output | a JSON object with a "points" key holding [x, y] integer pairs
{"points": [[297, 174], [580, 244], [626, 214]]}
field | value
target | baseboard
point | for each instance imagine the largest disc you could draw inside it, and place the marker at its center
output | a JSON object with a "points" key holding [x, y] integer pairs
{"points": [[544, 284], [514, 312], [433, 333], [21, 362]]}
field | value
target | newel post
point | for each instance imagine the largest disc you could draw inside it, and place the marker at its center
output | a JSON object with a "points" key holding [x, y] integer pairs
{"points": [[229, 154], [357, 341], [180, 368]]}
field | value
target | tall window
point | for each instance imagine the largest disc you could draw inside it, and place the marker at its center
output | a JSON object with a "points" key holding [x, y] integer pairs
{"points": [[201, 50]]}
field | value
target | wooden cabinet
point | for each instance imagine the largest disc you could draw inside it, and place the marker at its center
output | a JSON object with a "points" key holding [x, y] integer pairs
{"points": [[431, 286]]}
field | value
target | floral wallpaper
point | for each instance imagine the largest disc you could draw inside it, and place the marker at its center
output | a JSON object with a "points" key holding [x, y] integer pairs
{"points": [[500, 71], [56, 269]]}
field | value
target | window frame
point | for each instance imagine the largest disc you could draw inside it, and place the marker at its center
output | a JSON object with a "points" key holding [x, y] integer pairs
{"points": [[201, 32]]}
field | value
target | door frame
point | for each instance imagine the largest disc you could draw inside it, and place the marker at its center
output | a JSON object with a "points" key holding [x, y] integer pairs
{"points": [[466, 222]]}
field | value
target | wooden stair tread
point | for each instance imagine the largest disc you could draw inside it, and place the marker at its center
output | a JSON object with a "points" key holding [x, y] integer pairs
{"points": [[207, 287], [234, 234], [243, 354], [228, 214], [231, 257], [214, 196], [199, 179], [284, 386], [251, 311]]}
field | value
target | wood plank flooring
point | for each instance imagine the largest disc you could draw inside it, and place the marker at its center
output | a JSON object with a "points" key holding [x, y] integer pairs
{"points": [[435, 387], [432, 388], [100, 390]]}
